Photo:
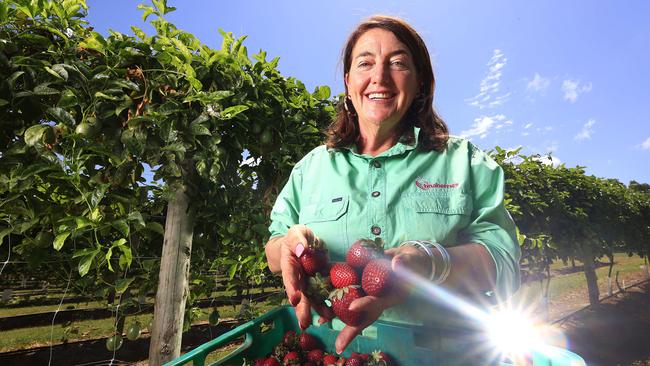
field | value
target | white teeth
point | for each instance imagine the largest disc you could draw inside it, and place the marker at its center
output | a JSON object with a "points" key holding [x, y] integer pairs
{"points": [[379, 96]]}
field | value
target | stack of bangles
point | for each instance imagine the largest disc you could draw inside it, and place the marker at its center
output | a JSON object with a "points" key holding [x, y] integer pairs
{"points": [[440, 265]]}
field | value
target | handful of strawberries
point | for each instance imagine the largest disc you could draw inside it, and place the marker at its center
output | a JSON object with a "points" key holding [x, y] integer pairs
{"points": [[305, 349], [365, 272]]}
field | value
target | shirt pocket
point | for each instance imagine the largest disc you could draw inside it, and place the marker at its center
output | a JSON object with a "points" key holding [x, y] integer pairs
{"points": [[437, 216], [328, 220], [446, 204], [326, 210]]}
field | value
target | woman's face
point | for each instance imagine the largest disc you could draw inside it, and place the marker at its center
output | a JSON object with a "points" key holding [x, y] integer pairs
{"points": [[382, 81]]}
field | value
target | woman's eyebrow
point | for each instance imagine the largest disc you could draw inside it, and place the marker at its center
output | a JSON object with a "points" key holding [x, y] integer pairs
{"points": [[394, 53]]}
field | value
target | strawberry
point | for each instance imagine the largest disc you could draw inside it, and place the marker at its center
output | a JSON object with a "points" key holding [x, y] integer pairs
{"points": [[272, 361], [363, 251], [259, 362], [378, 277], [379, 358], [309, 363], [307, 342], [330, 360], [315, 355], [343, 275], [291, 359], [290, 339], [280, 350], [318, 287], [314, 259], [341, 299], [354, 361]]}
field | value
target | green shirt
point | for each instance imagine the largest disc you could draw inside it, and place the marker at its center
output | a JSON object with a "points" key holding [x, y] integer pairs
{"points": [[451, 197]]}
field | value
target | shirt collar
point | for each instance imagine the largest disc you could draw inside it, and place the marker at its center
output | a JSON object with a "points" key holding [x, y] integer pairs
{"points": [[400, 147]]}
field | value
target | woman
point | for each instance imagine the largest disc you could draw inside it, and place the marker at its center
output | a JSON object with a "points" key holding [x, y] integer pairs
{"points": [[390, 170]]}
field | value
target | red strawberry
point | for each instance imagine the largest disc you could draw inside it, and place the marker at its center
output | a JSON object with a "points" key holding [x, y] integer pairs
{"points": [[363, 251], [292, 359], [307, 342], [290, 339], [379, 358], [343, 275], [272, 361], [341, 299], [378, 277], [309, 363], [354, 361], [315, 355], [259, 362], [314, 259], [330, 360]]}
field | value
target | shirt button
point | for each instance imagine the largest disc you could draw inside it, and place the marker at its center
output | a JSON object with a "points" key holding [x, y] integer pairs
{"points": [[376, 230], [375, 194], [376, 164]]}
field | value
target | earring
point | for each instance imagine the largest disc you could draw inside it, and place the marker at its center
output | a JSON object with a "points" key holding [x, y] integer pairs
{"points": [[349, 109]]}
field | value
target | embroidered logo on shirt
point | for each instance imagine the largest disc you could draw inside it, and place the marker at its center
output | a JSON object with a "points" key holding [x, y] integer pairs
{"points": [[426, 185]]}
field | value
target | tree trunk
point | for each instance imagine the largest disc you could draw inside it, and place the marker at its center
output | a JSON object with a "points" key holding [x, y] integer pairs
{"points": [[590, 274], [173, 282]]}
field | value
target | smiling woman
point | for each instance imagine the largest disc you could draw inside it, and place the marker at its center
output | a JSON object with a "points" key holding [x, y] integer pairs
{"points": [[390, 171]]}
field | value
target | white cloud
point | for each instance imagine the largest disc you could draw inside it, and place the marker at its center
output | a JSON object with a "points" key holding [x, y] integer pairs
{"points": [[573, 88], [538, 84], [528, 125], [490, 86], [587, 130], [645, 145], [482, 125]]}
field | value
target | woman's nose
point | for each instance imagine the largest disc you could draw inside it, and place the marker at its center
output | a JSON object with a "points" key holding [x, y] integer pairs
{"points": [[380, 74]]}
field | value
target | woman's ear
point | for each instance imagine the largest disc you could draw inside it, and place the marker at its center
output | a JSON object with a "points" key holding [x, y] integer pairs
{"points": [[345, 77]]}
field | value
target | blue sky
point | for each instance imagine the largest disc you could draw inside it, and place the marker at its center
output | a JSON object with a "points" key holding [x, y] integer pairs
{"points": [[567, 77]]}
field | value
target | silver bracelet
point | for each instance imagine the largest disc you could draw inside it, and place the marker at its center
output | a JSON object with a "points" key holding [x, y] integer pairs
{"points": [[427, 246], [427, 249]]}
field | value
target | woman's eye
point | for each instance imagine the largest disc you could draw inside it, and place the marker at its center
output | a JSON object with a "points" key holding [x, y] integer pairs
{"points": [[363, 64], [398, 63]]}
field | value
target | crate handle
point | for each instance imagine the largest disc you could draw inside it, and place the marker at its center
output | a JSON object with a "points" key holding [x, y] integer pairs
{"points": [[248, 329]]}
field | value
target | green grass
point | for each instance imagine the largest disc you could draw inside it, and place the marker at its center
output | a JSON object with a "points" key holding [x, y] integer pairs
{"points": [[24, 338], [7, 312], [574, 284]]}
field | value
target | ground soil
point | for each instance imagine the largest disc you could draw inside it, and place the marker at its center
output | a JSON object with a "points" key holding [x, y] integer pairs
{"points": [[614, 333]]}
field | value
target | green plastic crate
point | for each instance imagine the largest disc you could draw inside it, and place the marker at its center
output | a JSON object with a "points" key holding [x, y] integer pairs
{"points": [[262, 334]]}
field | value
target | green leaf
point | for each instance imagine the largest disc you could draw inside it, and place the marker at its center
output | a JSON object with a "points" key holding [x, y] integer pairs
{"points": [[231, 112], [4, 10], [122, 284], [81, 222], [33, 134], [136, 216], [61, 71], [122, 227], [322, 92], [44, 89], [101, 95], [156, 227], [3, 233], [60, 115], [232, 271], [59, 240], [3, 102], [86, 261], [126, 258]]}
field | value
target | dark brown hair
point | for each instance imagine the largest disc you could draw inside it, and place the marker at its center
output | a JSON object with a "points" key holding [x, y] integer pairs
{"points": [[344, 131]]}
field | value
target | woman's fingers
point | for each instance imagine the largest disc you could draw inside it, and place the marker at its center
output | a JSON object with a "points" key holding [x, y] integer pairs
{"points": [[346, 336], [303, 312]]}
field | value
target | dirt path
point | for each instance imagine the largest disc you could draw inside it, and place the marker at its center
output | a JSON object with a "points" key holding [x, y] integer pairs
{"points": [[616, 332]]}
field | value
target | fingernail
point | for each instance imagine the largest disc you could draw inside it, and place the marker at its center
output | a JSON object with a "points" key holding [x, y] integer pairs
{"points": [[299, 250], [322, 320]]}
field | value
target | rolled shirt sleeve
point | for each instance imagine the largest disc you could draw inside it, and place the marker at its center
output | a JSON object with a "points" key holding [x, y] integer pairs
{"points": [[491, 225], [286, 210]]}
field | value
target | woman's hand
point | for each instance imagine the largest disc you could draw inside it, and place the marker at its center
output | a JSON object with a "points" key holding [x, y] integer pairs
{"points": [[293, 244], [405, 258]]}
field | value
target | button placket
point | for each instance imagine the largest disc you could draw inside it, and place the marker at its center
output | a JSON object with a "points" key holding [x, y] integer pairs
{"points": [[376, 203]]}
